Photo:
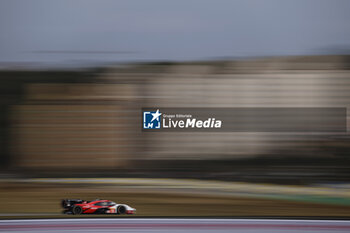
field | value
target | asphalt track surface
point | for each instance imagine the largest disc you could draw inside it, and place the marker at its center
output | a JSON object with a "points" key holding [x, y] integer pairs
{"points": [[174, 225]]}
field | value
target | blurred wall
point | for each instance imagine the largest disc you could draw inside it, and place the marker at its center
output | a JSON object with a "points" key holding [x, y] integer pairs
{"points": [[74, 126], [96, 123], [278, 82]]}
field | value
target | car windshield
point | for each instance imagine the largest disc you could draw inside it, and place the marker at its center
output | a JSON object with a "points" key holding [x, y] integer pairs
{"points": [[102, 203]]}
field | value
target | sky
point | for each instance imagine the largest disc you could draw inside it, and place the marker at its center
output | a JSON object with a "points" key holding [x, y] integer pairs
{"points": [[97, 31]]}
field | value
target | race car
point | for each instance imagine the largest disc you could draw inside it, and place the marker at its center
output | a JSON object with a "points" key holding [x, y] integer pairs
{"points": [[78, 206]]}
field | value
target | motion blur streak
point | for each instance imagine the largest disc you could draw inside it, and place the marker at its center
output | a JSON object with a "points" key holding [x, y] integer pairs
{"points": [[173, 225], [75, 76], [87, 122]]}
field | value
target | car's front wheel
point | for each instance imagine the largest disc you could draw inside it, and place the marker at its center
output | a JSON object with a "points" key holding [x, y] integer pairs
{"points": [[121, 209], [77, 210]]}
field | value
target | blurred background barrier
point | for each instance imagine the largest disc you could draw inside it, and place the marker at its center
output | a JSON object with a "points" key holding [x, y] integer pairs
{"points": [[88, 122]]}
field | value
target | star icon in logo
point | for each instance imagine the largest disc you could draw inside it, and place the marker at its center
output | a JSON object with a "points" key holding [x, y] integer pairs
{"points": [[156, 115]]}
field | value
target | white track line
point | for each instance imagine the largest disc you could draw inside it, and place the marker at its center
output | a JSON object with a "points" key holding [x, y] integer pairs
{"points": [[175, 219]]}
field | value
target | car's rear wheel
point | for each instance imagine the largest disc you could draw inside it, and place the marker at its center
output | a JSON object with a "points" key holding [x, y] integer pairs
{"points": [[121, 209], [77, 210]]}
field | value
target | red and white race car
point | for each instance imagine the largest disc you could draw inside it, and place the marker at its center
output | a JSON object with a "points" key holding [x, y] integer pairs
{"points": [[78, 206]]}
